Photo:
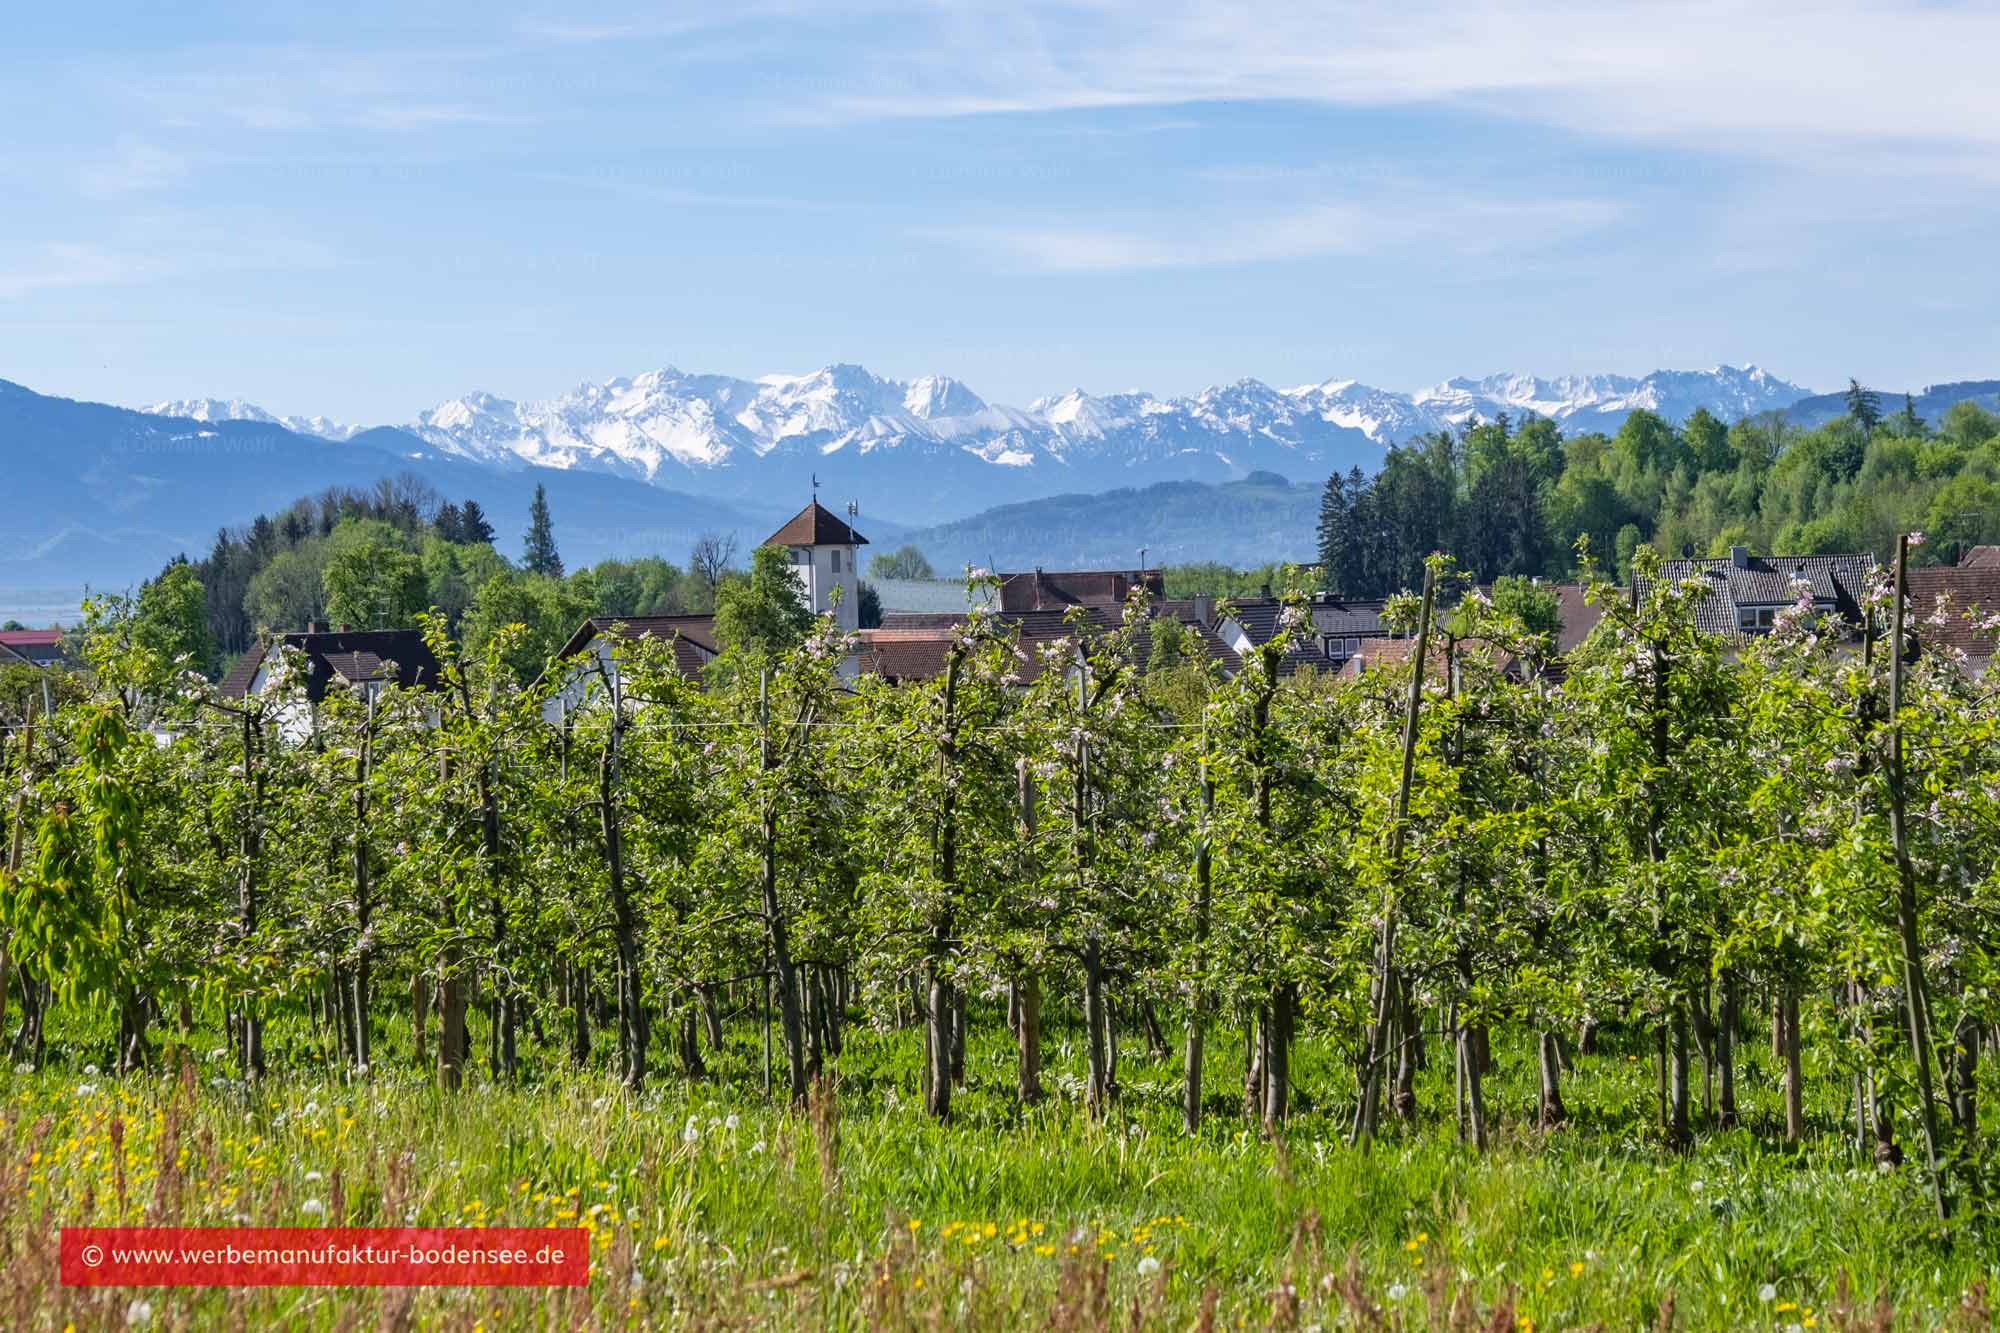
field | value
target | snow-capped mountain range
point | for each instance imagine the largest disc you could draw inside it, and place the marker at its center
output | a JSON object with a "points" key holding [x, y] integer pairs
{"points": [[235, 409], [931, 448]]}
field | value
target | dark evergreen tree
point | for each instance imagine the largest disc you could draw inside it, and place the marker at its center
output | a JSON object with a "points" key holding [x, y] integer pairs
{"points": [[449, 525], [1907, 423], [1416, 510], [1335, 532], [1864, 405], [473, 528], [540, 556], [1503, 530]]}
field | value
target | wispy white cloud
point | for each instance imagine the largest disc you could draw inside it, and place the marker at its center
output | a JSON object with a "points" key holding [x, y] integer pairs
{"points": [[133, 167], [164, 254], [66, 264], [1445, 227], [1729, 75]]}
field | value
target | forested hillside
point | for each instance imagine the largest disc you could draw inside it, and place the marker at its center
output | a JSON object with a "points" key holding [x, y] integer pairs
{"points": [[1508, 498], [380, 557]]}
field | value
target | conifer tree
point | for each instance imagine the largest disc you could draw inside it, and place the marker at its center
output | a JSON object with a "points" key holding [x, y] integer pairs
{"points": [[473, 529], [1864, 405], [540, 556]]}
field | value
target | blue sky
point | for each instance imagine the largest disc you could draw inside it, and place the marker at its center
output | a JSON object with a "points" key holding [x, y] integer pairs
{"points": [[361, 213]]}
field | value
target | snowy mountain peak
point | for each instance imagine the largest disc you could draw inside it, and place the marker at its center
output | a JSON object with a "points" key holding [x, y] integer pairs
{"points": [[236, 409], [914, 440], [941, 396]]}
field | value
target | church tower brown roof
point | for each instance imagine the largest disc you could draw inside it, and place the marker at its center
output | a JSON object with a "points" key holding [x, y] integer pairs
{"points": [[815, 525]]}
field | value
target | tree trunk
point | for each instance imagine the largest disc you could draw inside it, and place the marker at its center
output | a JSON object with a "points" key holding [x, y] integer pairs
{"points": [[1097, 1043], [1725, 1054], [1788, 1043], [957, 1036], [1028, 1043], [1197, 1022], [632, 1017], [937, 1047], [1278, 1054], [1156, 1038], [1409, 1053], [1253, 1064], [420, 1017], [249, 1026], [579, 1003], [690, 1033], [1679, 1129], [16, 822], [711, 1017], [1551, 1112], [1704, 1038], [357, 983], [1965, 1080], [452, 1037], [134, 1051], [36, 995], [1382, 1033], [776, 926], [1475, 1092], [1916, 1005]]}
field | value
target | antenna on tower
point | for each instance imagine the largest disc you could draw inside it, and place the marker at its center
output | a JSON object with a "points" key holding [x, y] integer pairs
{"points": [[854, 509]]}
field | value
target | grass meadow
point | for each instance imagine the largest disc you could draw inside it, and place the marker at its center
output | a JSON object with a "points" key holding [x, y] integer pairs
{"points": [[711, 1208]]}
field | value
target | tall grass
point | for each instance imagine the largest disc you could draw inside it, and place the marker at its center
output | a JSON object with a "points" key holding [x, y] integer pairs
{"points": [[708, 1207]]}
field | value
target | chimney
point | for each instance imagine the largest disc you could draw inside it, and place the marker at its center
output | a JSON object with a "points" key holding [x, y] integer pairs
{"points": [[1265, 592], [1038, 590], [345, 628], [1204, 609], [316, 627], [1739, 556]]}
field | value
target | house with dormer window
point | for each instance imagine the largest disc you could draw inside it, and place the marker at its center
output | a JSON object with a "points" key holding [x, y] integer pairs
{"points": [[1747, 593]]}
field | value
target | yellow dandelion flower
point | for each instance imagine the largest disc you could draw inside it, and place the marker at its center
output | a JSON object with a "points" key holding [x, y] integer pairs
{"points": [[660, 1242], [916, 1224], [1576, 1268]]}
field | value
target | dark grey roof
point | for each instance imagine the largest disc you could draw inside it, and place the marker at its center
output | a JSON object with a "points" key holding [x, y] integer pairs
{"points": [[1334, 621], [356, 656], [1837, 583]]}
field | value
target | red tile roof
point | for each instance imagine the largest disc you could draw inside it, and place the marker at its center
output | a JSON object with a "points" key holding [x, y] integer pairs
{"points": [[1946, 601]]}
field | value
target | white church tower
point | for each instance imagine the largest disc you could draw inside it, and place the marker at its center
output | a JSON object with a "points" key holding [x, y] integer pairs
{"points": [[823, 552]]}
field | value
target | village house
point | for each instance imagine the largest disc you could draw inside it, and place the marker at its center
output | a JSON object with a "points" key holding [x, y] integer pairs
{"points": [[364, 660], [1748, 592], [1956, 607], [590, 664], [821, 551], [32, 647]]}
